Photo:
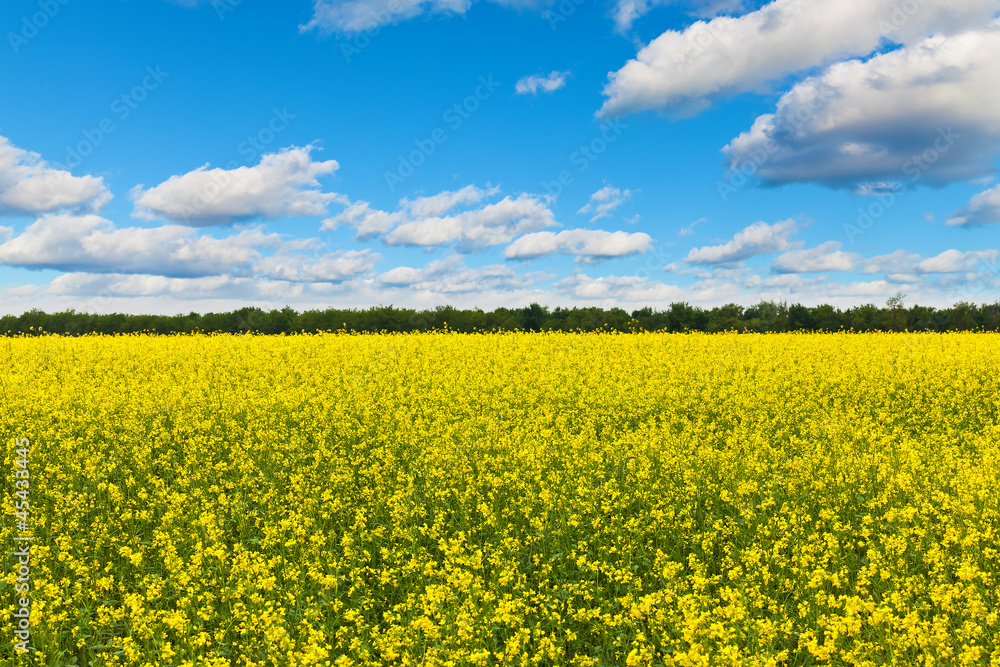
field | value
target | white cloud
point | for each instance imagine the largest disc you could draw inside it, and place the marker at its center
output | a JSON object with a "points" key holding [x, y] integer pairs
{"points": [[160, 294], [434, 221], [359, 15], [137, 285], [85, 284], [905, 278], [493, 224], [604, 201], [982, 209], [330, 267], [685, 70], [29, 185], [352, 16], [626, 12], [862, 290], [905, 266], [824, 257], [450, 282], [898, 262], [371, 222], [589, 245], [91, 243], [451, 276], [282, 184], [956, 261], [458, 286], [441, 203], [759, 238], [630, 289], [924, 113], [368, 222], [549, 83]]}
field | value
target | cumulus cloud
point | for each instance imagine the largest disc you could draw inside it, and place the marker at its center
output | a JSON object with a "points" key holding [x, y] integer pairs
{"points": [[924, 113], [282, 184], [450, 276], [353, 16], [905, 266], [956, 261], [441, 203], [824, 257], [147, 293], [329, 267], [903, 278], [604, 201], [589, 245], [368, 222], [685, 70], [89, 284], [759, 238], [92, 243], [434, 221], [472, 230], [982, 209], [30, 186], [548, 83], [618, 288], [898, 262]]}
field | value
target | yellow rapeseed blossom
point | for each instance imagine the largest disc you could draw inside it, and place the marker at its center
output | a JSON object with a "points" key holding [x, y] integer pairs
{"points": [[507, 499]]}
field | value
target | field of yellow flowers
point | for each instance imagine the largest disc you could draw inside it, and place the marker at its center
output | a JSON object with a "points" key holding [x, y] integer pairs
{"points": [[506, 499]]}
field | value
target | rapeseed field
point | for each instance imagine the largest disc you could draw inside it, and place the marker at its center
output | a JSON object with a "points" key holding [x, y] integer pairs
{"points": [[505, 499]]}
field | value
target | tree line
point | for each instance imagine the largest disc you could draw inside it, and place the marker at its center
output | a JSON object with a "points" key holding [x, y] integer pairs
{"points": [[766, 316]]}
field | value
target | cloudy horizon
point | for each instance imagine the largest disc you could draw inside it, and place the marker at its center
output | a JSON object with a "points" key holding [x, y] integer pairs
{"points": [[360, 153]]}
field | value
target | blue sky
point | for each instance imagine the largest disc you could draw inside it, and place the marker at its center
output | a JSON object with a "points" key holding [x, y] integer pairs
{"points": [[166, 156]]}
